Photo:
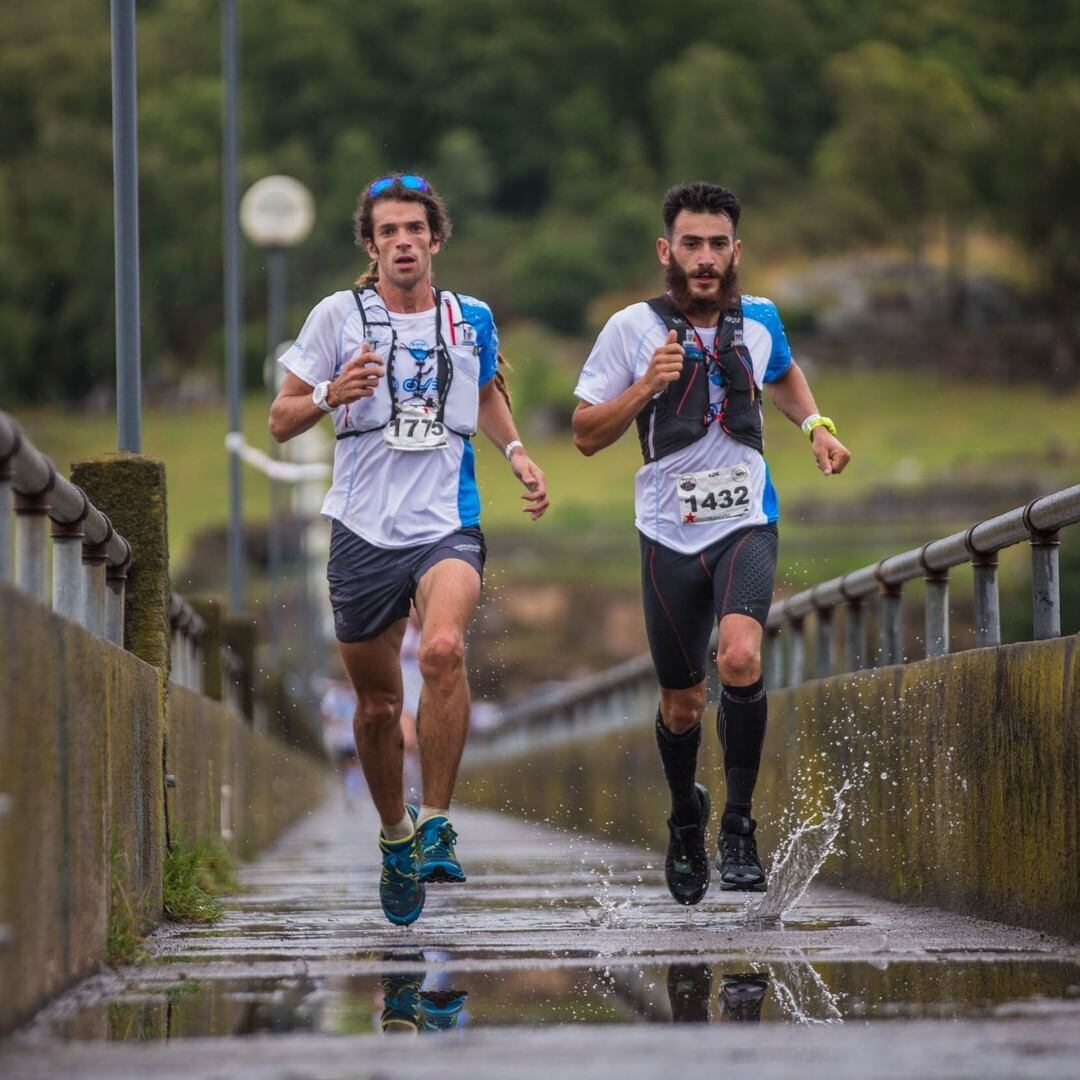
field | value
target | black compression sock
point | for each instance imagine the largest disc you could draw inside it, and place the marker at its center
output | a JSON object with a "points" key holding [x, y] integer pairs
{"points": [[740, 723], [679, 756]]}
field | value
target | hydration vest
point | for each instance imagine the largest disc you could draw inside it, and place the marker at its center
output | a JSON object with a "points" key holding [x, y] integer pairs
{"points": [[456, 368], [680, 414]]}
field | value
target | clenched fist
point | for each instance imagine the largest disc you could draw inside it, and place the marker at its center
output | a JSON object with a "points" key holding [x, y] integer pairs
{"points": [[358, 378], [666, 364]]}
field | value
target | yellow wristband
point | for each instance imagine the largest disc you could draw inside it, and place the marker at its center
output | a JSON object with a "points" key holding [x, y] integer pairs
{"points": [[816, 422]]}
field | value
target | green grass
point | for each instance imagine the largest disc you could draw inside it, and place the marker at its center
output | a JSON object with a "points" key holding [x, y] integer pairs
{"points": [[194, 878], [905, 430], [123, 942]]}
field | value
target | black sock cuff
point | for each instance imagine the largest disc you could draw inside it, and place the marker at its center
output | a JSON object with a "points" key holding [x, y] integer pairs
{"points": [[753, 692], [664, 732]]}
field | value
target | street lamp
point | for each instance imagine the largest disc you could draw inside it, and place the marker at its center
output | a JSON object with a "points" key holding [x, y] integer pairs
{"points": [[276, 213]]}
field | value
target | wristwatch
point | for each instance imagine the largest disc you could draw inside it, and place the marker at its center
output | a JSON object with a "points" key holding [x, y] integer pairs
{"points": [[318, 395], [816, 420]]}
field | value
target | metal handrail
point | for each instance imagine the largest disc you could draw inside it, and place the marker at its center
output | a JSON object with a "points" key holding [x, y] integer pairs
{"points": [[1045, 515], [33, 476], [1039, 522], [90, 560]]}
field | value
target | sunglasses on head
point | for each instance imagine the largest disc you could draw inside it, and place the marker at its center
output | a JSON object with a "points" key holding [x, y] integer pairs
{"points": [[409, 180]]}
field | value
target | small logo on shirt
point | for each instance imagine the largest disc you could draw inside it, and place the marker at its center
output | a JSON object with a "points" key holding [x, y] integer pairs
{"points": [[587, 374], [419, 349]]}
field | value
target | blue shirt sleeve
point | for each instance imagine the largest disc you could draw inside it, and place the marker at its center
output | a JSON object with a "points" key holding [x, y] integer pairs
{"points": [[780, 357], [487, 335]]}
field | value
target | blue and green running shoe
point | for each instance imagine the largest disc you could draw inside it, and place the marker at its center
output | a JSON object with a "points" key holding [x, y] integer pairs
{"points": [[440, 1009], [438, 863], [401, 1003], [400, 889]]}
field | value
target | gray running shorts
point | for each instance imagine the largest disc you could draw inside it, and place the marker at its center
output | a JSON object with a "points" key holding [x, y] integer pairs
{"points": [[372, 587]]}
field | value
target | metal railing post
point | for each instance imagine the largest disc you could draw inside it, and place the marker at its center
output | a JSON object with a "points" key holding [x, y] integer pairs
{"points": [[891, 630], [67, 570], [1045, 585], [796, 653], [984, 570], [115, 587], [774, 659], [823, 639], [94, 560], [32, 545], [7, 565], [856, 635], [937, 613]]}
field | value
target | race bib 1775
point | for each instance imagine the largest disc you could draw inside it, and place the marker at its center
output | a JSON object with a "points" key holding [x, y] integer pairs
{"points": [[415, 427]]}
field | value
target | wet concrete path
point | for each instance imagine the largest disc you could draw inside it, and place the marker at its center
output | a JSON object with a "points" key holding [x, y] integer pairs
{"points": [[562, 956]]}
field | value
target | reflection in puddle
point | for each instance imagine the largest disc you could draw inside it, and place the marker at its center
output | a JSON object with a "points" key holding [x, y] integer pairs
{"points": [[424, 992]]}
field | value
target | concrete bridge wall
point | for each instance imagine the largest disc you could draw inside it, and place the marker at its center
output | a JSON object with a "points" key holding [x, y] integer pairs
{"points": [[82, 725], [965, 774]]}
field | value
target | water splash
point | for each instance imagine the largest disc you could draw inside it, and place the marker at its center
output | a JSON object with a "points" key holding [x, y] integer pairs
{"points": [[802, 994], [797, 862], [612, 912]]}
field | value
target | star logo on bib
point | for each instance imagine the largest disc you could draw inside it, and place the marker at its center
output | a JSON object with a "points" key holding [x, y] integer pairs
{"points": [[689, 519]]}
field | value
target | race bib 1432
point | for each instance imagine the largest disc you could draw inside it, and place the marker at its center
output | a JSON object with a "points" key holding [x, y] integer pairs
{"points": [[714, 495]]}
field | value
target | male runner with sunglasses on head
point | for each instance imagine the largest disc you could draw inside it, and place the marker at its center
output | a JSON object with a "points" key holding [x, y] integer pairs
{"points": [[408, 372], [689, 367]]}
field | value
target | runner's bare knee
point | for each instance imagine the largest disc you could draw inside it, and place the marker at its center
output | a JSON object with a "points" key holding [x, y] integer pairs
{"points": [[442, 655], [682, 709], [738, 662], [377, 709]]}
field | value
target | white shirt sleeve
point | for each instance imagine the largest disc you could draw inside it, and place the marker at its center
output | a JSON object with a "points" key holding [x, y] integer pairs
{"points": [[313, 356], [609, 369]]}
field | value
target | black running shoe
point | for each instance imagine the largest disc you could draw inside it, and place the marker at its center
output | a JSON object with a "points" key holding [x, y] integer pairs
{"points": [[741, 996], [689, 987], [686, 867], [737, 861]]}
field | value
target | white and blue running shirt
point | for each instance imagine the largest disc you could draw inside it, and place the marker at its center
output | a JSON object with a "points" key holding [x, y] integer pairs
{"points": [[391, 498], [621, 356]]}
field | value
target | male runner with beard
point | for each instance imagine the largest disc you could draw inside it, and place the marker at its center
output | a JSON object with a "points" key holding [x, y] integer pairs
{"points": [[689, 367]]}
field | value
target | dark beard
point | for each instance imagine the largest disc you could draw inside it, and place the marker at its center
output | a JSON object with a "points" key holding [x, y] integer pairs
{"points": [[679, 286]]}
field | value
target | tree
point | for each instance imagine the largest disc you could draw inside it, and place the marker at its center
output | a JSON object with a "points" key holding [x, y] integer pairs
{"points": [[1033, 164], [906, 131]]}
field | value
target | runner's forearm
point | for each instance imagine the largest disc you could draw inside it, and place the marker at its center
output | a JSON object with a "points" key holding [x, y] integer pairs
{"points": [[293, 414], [791, 394], [494, 417], [598, 426]]}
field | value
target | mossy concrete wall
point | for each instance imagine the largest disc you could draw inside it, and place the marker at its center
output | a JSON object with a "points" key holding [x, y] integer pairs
{"points": [[232, 785], [82, 727], [80, 760], [964, 774]]}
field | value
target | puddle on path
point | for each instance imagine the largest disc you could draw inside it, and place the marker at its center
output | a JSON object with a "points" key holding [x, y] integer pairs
{"points": [[419, 993]]}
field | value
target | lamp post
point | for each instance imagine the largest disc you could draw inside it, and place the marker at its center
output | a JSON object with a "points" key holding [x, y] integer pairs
{"points": [[126, 227], [232, 275], [276, 213]]}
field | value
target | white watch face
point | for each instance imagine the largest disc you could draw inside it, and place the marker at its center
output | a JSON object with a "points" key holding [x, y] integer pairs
{"points": [[319, 394]]}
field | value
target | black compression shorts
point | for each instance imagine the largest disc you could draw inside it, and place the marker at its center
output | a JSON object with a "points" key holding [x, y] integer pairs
{"points": [[685, 594]]}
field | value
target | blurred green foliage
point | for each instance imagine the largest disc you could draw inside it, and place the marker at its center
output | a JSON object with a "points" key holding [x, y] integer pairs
{"points": [[552, 126]]}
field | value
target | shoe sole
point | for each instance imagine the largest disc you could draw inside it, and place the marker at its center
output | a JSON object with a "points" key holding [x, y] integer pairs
{"points": [[404, 920], [441, 874], [761, 887]]}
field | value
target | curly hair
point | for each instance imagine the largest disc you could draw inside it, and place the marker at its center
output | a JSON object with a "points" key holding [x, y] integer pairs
{"points": [[441, 228], [700, 197]]}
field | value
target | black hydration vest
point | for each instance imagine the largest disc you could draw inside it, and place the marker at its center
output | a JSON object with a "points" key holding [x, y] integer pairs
{"points": [[679, 415]]}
